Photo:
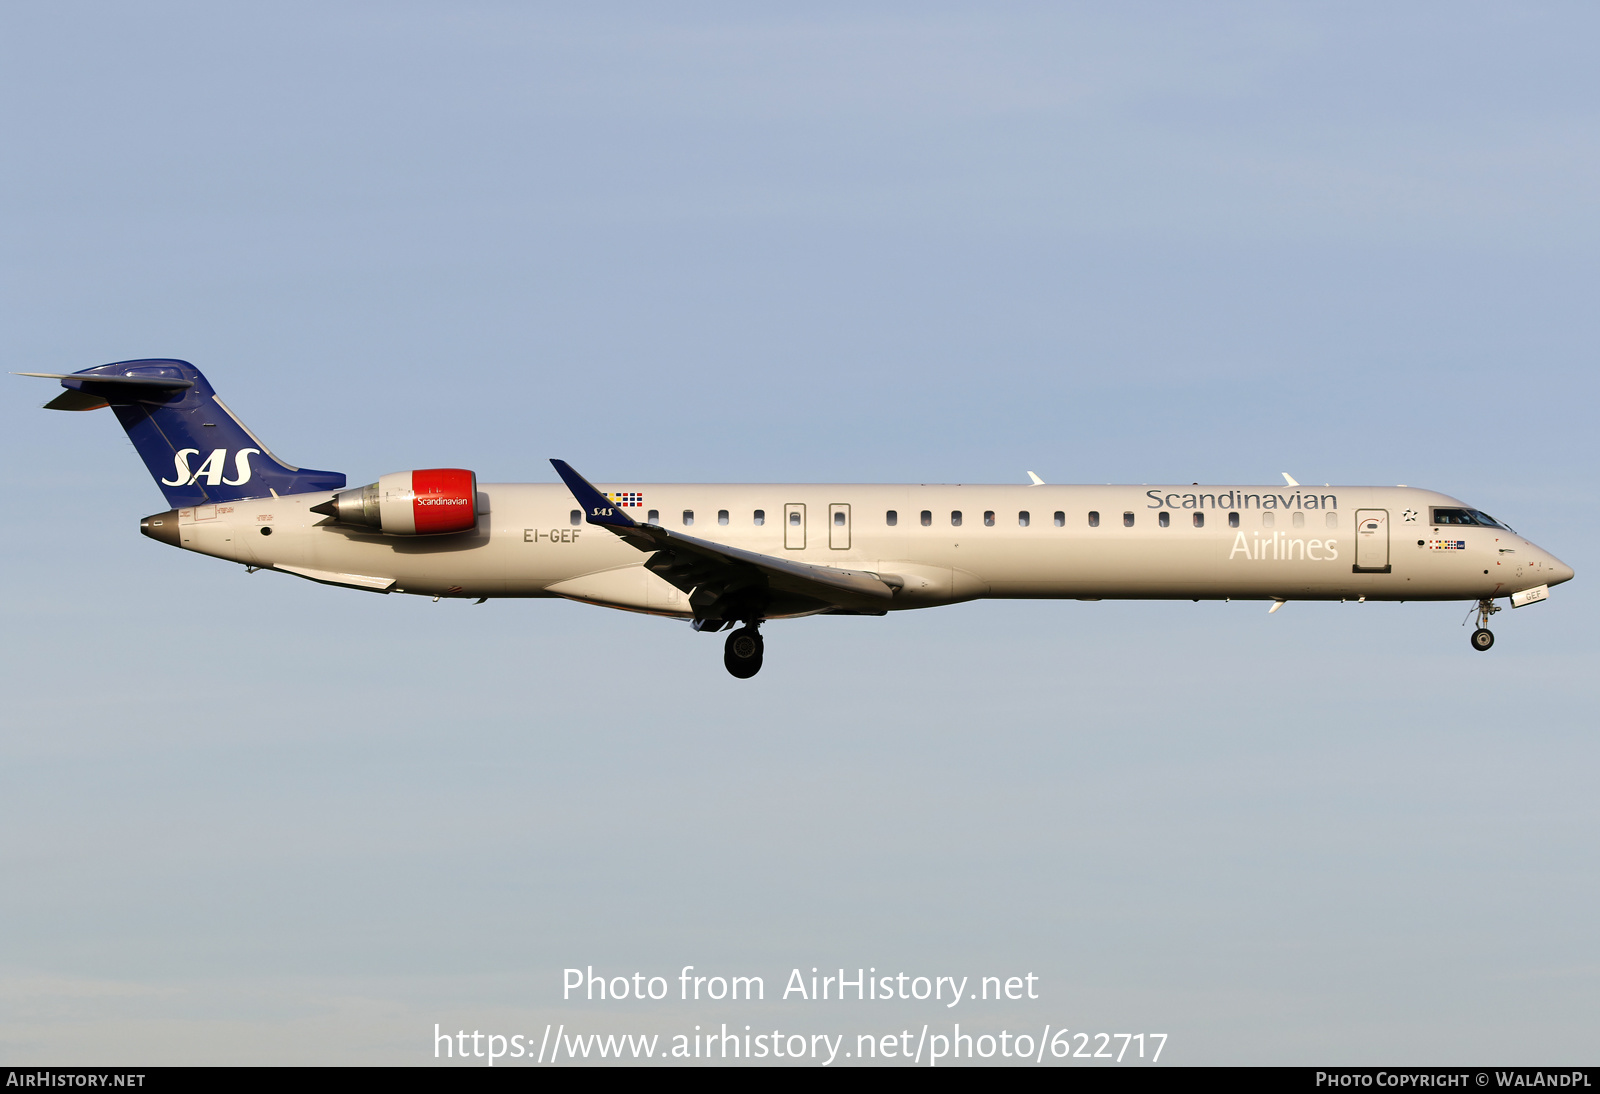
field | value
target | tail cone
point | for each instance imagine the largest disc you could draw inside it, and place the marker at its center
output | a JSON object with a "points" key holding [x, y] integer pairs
{"points": [[162, 526]]}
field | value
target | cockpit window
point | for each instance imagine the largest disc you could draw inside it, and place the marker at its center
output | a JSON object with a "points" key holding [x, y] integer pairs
{"points": [[1465, 516]]}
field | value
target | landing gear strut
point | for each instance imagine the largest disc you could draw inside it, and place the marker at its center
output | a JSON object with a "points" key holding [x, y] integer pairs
{"points": [[742, 653], [1483, 637]]}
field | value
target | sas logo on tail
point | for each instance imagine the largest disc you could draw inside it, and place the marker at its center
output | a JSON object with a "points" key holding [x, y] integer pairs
{"points": [[212, 469]]}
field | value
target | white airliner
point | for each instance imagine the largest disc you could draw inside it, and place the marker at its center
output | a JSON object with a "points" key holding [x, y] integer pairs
{"points": [[737, 555]]}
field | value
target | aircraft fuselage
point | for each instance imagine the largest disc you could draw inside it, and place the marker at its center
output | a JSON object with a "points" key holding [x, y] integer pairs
{"points": [[737, 555], [946, 543]]}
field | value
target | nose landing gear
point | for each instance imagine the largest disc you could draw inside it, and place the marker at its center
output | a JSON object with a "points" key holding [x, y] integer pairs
{"points": [[1483, 637], [742, 652]]}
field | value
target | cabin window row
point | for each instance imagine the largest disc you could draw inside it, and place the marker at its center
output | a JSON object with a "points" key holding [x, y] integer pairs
{"points": [[1024, 518], [1269, 519], [757, 517]]}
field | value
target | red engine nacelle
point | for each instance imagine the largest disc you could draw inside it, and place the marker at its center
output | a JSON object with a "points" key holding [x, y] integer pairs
{"points": [[431, 502]]}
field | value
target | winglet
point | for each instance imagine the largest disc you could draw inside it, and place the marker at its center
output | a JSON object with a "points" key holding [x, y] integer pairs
{"points": [[1288, 478], [597, 508], [1037, 481]]}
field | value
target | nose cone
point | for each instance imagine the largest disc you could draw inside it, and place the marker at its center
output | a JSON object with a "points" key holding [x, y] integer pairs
{"points": [[1559, 571]]}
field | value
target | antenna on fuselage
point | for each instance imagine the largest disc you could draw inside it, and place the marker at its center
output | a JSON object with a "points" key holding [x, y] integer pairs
{"points": [[1288, 478], [1037, 481]]}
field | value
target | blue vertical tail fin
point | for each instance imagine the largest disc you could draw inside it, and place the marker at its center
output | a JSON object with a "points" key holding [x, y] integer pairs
{"points": [[194, 447]]}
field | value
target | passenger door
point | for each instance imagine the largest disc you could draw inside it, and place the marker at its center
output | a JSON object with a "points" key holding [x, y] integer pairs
{"points": [[839, 527], [794, 526], [1372, 541]]}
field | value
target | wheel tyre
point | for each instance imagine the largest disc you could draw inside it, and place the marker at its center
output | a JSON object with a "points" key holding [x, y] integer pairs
{"points": [[742, 653], [1482, 638]]}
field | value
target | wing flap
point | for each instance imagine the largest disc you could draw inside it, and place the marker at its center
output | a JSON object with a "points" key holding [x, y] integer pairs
{"points": [[348, 581]]}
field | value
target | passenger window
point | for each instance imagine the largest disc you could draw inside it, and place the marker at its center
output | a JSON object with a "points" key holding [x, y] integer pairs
{"points": [[1023, 518], [1233, 520], [577, 517], [1331, 519], [1298, 520], [722, 516], [1199, 520], [955, 518], [1127, 520], [891, 518], [653, 517], [1061, 519], [1268, 519], [838, 519], [1164, 519], [761, 516], [988, 518], [794, 518], [1094, 519], [927, 517], [688, 516]]}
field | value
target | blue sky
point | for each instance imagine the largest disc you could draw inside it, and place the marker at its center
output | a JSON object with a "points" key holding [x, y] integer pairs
{"points": [[250, 819]]}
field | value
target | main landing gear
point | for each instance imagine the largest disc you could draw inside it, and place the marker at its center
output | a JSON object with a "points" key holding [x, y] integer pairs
{"points": [[1483, 637], [742, 653]]}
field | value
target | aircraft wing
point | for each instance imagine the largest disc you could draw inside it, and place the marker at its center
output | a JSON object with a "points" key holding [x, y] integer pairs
{"points": [[727, 582]]}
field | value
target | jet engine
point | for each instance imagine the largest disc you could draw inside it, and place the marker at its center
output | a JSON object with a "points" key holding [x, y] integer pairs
{"points": [[433, 502]]}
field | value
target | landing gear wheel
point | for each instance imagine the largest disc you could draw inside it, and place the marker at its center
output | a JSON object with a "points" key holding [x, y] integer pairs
{"points": [[1483, 637], [742, 653]]}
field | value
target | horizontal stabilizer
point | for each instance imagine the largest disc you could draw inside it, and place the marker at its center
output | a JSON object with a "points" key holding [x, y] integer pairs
{"points": [[76, 400], [172, 382], [112, 381], [95, 391]]}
